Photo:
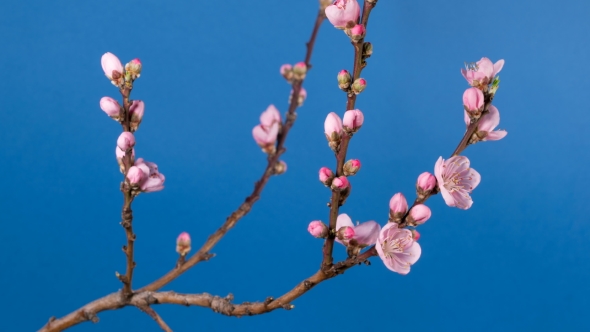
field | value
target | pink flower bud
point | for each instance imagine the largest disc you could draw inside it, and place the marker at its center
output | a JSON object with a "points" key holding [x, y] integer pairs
{"points": [[473, 101], [266, 137], [317, 229], [300, 98], [398, 206], [280, 168], [136, 110], [111, 107], [111, 65], [339, 183], [299, 70], [357, 32], [154, 180], [359, 85], [353, 120], [120, 155], [426, 181], [183, 243], [287, 72], [326, 176], [415, 234], [133, 67], [343, 13], [351, 167], [126, 141], [344, 79], [135, 176], [419, 214], [333, 130], [270, 116], [345, 233]]}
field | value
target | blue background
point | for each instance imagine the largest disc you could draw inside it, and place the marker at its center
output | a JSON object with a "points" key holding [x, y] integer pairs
{"points": [[519, 259]]}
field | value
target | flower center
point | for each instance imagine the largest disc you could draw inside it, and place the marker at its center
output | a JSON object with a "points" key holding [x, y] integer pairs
{"points": [[471, 66], [341, 4]]}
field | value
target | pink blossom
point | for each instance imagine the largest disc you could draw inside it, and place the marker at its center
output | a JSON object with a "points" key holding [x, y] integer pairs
{"points": [[183, 243], [351, 167], [266, 138], [326, 176], [111, 107], [353, 120], [456, 181], [317, 229], [365, 233], [126, 141], [110, 64], [426, 181], [135, 176], [473, 100], [419, 214], [398, 204], [270, 116], [343, 11], [333, 125], [154, 180], [357, 32], [482, 72], [487, 124], [397, 248], [136, 110], [340, 183]]}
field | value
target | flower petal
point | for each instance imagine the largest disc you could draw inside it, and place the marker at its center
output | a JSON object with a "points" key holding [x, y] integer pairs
{"points": [[495, 135], [491, 120], [498, 66], [367, 233]]}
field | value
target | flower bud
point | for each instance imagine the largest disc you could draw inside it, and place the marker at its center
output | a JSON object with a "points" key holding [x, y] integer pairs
{"points": [[299, 70], [398, 206], [133, 67], [136, 110], [135, 176], [345, 233], [425, 184], [270, 116], [353, 120], [318, 229], [183, 243], [367, 50], [415, 234], [418, 215], [473, 102], [326, 176], [359, 85], [344, 79], [112, 67], [121, 155], [351, 167], [266, 137], [300, 98], [357, 32], [287, 72], [280, 167], [343, 13], [111, 107], [333, 130], [126, 141], [340, 183]]}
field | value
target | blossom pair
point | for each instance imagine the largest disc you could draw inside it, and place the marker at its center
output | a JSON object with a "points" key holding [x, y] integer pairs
{"points": [[265, 134], [344, 15], [145, 177], [114, 71], [112, 108], [334, 127]]}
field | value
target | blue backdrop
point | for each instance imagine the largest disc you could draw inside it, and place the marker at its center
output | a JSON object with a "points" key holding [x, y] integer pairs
{"points": [[519, 259]]}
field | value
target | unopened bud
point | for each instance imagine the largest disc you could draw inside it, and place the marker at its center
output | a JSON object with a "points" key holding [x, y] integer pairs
{"points": [[359, 85], [112, 67], [351, 167], [418, 215], [135, 176], [345, 233], [299, 70], [357, 32], [300, 98], [280, 167], [287, 72], [340, 183], [133, 67], [183, 244], [367, 49], [136, 110], [326, 176], [473, 102], [353, 120], [425, 184], [398, 206], [111, 107], [126, 141], [344, 79], [318, 229], [333, 130], [415, 234]]}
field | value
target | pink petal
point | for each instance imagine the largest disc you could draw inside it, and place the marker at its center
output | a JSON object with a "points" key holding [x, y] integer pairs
{"points": [[367, 233], [498, 66], [343, 220], [413, 253], [495, 135], [491, 120]]}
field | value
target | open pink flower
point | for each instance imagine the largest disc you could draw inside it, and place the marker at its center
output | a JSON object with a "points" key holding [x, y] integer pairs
{"points": [[397, 248], [153, 179], [266, 137], [482, 72], [365, 233], [343, 11], [487, 124], [456, 180]]}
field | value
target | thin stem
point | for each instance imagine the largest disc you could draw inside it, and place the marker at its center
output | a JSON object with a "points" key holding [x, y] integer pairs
{"points": [[154, 315]]}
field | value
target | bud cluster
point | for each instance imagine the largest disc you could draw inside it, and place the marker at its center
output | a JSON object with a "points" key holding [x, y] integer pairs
{"points": [[295, 72]]}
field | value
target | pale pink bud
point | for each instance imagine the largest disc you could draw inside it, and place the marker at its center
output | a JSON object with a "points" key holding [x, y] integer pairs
{"points": [[270, 116], [287, 72], [419, 214], [299, 70], [326, 176], [136, 110], [359, 85], [111, 65], [357, 32], [344, 79], [351, 167], [300, 98], [111, 107], [154, 180], [120, 156], [345, 233], [473, 101], [343, 13], [339, 183], [266, 138], [353, 120], [183, 243], [425, 184], [317, 229], [133, 68], [415, 234], [398, 206], [280, 167], [135, 176], [333, 130], [126, 141]]}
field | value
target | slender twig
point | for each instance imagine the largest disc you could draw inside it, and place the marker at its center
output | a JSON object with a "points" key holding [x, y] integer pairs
{"points": [[152, 313]]}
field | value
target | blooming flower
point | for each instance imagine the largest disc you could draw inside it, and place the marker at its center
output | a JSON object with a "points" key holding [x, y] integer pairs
{"points": [[482, 72], [456, 181], [397, 248], [269, 117], [153, 179], [266, 137], [343, 11], [487, 124], [365, 233]]}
